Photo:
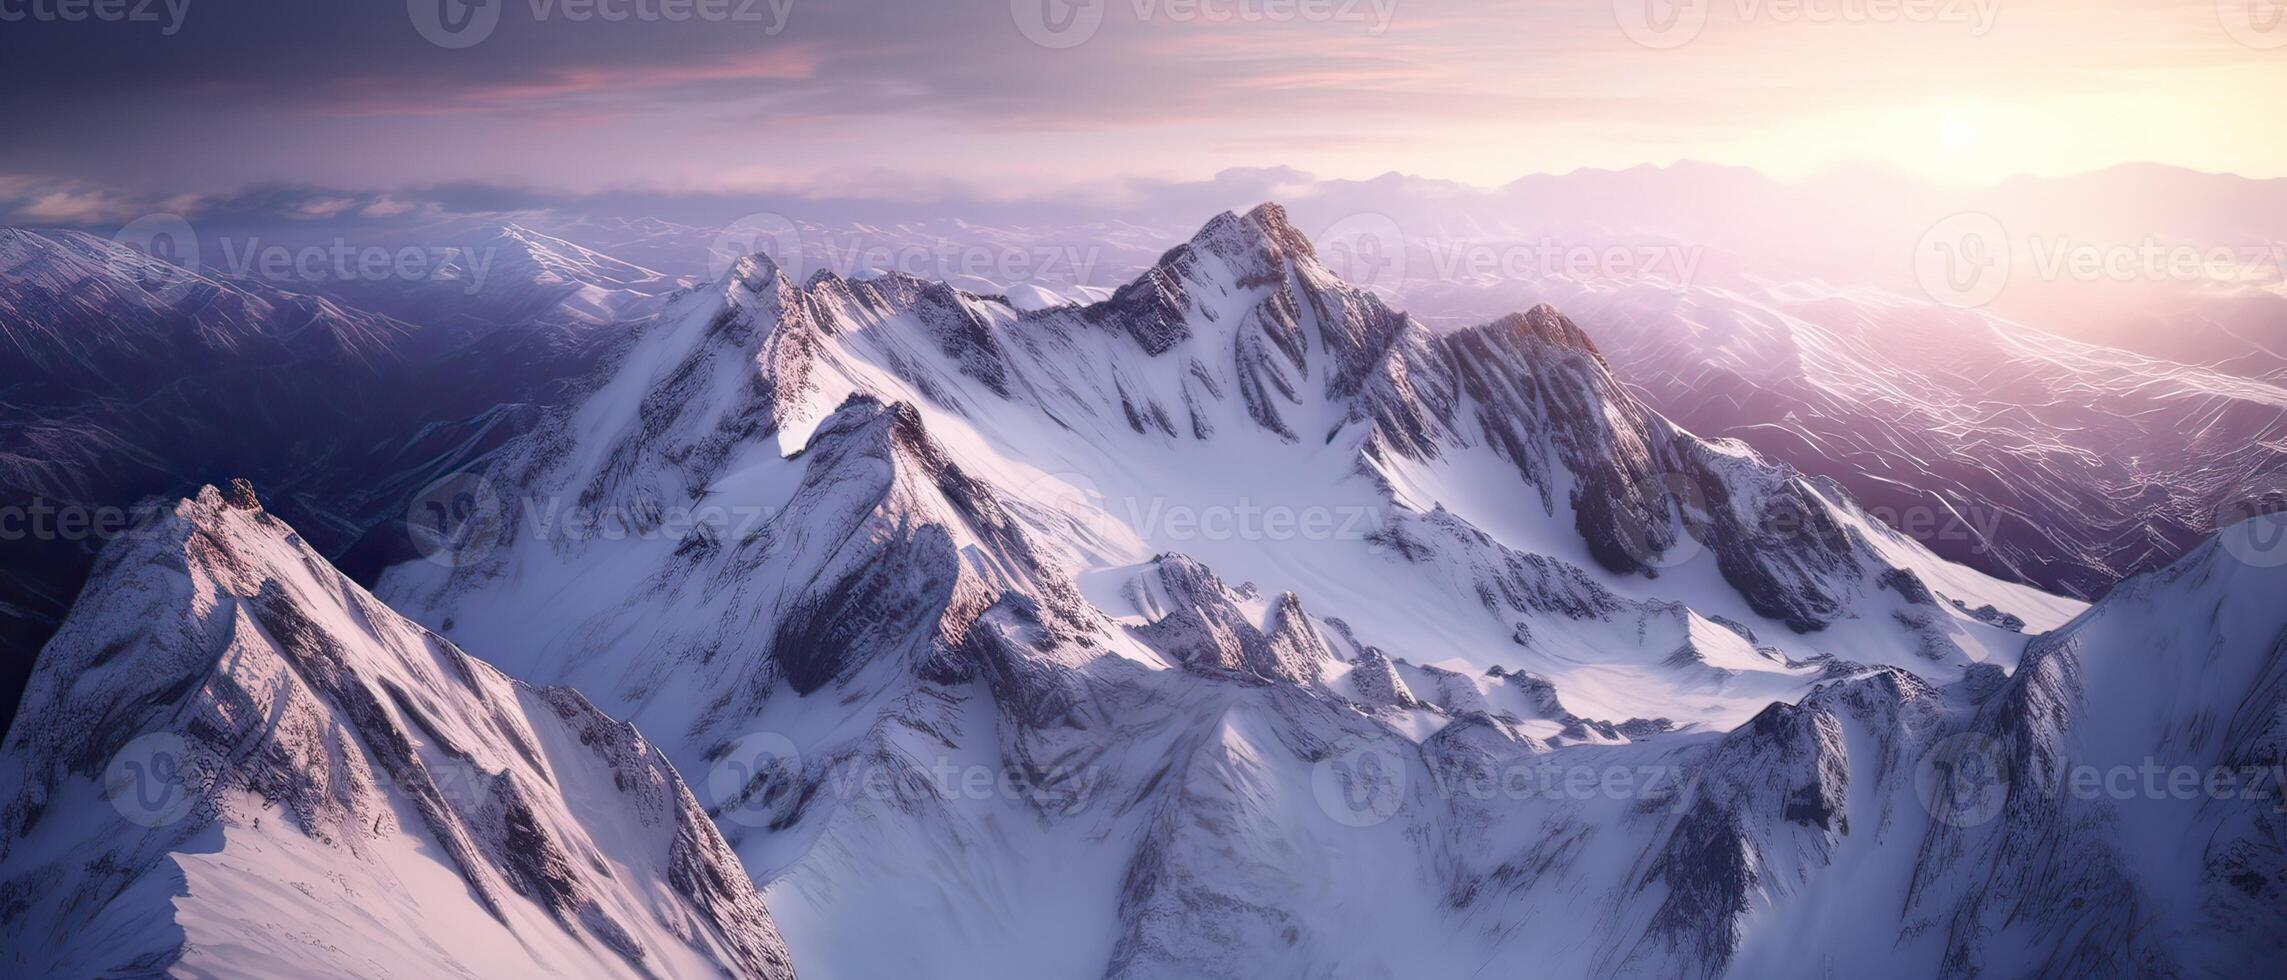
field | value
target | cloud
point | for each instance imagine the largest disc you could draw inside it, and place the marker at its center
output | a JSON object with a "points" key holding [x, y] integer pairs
{"points": [[556, 86], [387, 208], [324, 207], [33, 199], [72, 207]]}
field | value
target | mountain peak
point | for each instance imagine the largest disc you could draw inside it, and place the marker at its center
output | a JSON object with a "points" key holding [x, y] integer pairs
{"points": [[1230, 251], [1263, 230], [1544, 323], [1271, 219]]}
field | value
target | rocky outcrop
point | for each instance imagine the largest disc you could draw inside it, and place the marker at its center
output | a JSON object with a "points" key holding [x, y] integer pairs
{"points": [[1378, 683], [1199, 623]]}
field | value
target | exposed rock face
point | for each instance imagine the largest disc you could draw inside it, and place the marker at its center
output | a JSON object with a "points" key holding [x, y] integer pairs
{"points": [[223, 700], [241, 495], [1541, 394], [886, 590], [1908, 586], [1791, 763], [1202, 626], [1378, 682], [2008, 621]]}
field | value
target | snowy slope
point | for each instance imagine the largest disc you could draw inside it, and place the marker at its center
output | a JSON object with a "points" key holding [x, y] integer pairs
{"points": [[234, 761]]}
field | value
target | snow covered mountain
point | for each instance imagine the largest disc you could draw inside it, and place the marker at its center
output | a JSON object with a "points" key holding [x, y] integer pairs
{"points": [[1237, 374], [493, 276], [1234, 625], [1236, 586], [83, 315], [234, 761], [2021, 453]]}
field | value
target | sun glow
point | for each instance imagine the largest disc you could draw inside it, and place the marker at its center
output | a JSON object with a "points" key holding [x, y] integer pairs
{"points": [[1957, 136]]}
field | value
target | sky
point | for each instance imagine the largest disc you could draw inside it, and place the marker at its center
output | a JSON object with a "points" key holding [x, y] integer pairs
{"points": [[165, 100]]}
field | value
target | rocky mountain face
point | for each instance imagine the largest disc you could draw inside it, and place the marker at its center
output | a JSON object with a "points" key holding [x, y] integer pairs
{"points": [[1237, 625], [236, 761]]}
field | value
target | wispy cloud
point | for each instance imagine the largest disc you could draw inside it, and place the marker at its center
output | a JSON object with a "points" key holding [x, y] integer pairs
{"points": [[378, 95]]}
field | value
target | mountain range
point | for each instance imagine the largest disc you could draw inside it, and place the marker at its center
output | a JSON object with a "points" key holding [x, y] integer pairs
{"points": [[1232, 623], [1991, 433]]}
